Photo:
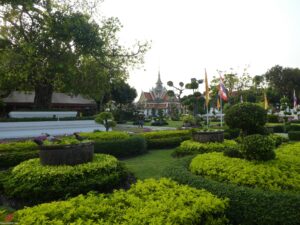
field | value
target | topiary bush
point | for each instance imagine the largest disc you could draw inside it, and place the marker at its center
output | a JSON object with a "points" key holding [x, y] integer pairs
{"points": [[248, 206], [166, 139], [146, 202], [107, 119], [271, 118], [33, 183], [248, 117], [258, 147], [294, 135], [12, 153], [278, 139], [120, 148], [190, 147], [269, 176]]}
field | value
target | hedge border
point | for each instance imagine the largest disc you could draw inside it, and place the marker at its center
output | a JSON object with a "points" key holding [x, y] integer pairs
{"points": [[247, 206]]}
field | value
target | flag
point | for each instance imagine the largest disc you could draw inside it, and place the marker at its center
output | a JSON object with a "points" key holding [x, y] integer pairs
{"points": [[222, 90], [266, 101], [218, 104], [242, 99], [295, 99], [206, 90]]}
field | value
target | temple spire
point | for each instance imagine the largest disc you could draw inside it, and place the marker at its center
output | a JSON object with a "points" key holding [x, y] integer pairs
{"points": [[159, 83]]}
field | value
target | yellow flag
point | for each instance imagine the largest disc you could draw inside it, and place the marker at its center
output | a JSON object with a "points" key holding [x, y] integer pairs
{"points": [[206, 90], [266, 101], [218, 104]]}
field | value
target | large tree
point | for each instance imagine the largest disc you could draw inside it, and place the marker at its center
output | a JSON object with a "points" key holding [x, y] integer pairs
{"points": [[46, 45]]}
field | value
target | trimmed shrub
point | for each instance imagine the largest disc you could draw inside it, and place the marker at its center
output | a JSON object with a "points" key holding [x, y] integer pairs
{"points": [[166, 139], [105, 136], [231, 133], [247, 206], [271, 118], [147, 202], [190, 147], [278, 139], [293, 128], [233, 153], [121, 148], [258, 147], [294, 135], [278, 129], [270, 176], [13, 153], [33, 183], [248, 117]]}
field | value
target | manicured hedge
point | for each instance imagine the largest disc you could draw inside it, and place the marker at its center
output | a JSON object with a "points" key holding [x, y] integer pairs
{"points": [[191, 147], [121, 148], [278, 139], [247, 206], [269, 175], [33, 183], [294, 135], [13, 153], [105, 136], [166, 139], [147, 202]]}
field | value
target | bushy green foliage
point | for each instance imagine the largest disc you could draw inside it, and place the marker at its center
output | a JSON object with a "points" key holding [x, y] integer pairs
{"points": [[13, 153], [278, 129], [148, 202], [248, 206], [231, 133], [18, 146], [188, 120], [271, 175], [107, 119], [292, 127], [105, 136], [121, 148], [166, 139], [248, 117], [278, 139], [190, 147], [294, 135], [65, 141], [258, 147], [34, 183], [273, 118], [233, 153]]}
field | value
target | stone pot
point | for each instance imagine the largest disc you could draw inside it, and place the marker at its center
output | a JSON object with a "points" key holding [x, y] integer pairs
{"points": [[67, 154], [208, 136]]}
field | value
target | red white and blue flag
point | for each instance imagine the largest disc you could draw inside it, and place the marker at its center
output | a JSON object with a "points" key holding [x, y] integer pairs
{"points": [[222, 90], [295, 99]]}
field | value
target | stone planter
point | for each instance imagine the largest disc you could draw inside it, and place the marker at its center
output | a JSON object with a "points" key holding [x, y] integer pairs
{"points": [[67, 154], [208, 136]]}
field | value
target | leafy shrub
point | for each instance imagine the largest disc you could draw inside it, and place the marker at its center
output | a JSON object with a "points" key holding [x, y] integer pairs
{"points": [[233, 153], [34, 183], [293, 128], [124, 147], [13, 153], [105, 136], [248, 117], [279, 129], [231, 133], [190, 147], [247, 206], [294, 135], [146, 202], [258, 147], [107, 119], [188, 120], [271, 118], [166, 139], [268, 176], [278, 139]]}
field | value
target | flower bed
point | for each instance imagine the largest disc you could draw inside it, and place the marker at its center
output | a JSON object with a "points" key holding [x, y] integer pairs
{"points": [[33, 183], [148, 202]]}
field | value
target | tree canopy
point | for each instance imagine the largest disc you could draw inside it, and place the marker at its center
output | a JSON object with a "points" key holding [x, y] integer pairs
{"points": [[47, 46]]}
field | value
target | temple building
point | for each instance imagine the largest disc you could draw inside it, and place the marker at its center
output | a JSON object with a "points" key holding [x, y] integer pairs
{"points": [[157, 99]]}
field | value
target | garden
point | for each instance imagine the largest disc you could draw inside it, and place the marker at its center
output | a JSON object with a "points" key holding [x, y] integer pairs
{"points": [[240, 175]]}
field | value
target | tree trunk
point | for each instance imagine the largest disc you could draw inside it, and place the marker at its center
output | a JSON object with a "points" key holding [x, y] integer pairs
{"points": [[43, 96]]}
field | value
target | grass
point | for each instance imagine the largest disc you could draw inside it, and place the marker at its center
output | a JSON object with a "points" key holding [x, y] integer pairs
{"points": [[151, 164]]}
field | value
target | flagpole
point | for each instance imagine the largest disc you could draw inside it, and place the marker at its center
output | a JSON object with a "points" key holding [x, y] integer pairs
{"points": [[207, 116], [221, 111]]}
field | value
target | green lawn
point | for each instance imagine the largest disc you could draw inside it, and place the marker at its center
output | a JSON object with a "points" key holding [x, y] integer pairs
{"points": [[151, 164]]}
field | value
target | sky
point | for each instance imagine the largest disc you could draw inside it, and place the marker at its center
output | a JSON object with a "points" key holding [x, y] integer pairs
{"points": [[189, 36]]}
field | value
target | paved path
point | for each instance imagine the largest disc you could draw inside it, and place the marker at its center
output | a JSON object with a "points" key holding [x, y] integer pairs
{"points": [[32, 129]]}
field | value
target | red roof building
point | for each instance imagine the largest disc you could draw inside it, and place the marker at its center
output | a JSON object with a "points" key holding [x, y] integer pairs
{"points": [[157, 99]]}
